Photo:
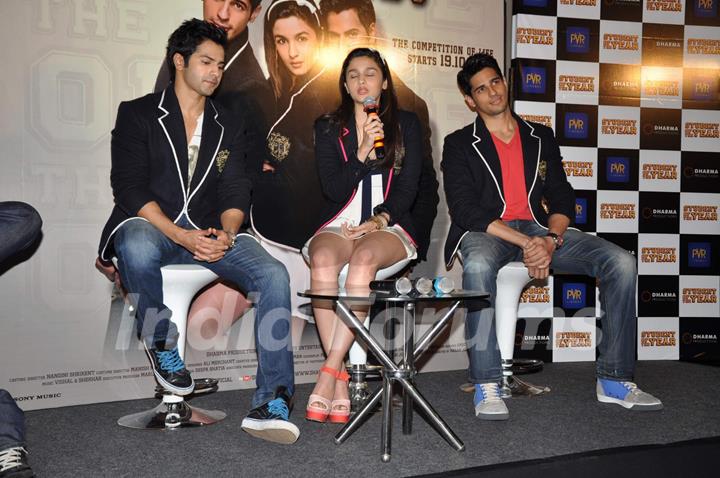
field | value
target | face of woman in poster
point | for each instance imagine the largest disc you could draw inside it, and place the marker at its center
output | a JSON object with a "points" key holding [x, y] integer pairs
{"points": [[364, 78], [296, 44]]}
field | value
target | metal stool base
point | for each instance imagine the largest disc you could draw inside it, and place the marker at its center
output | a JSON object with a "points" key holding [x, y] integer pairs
{"points": [[172, 413]]}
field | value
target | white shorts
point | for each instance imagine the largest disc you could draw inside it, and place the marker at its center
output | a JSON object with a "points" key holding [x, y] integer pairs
{"points": [[395, 230], [299, 273]]}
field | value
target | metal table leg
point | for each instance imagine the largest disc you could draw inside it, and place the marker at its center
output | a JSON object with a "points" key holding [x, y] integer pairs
{"points": [[408, 363], [403, 377]]}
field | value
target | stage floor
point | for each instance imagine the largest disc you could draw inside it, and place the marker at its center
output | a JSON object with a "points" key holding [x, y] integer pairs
{"points": [[85, 440]]}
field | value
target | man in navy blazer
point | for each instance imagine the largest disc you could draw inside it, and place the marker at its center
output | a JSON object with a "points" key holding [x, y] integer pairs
{"points": [[509, 200], [182, 191]]}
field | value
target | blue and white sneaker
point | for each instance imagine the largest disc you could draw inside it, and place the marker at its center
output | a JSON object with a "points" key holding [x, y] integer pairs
{"points": [[271, 421], [626, 394], [170, 371], [489, 404]]}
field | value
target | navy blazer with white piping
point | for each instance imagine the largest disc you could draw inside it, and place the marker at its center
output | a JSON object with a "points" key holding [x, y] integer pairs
{"points": [[341, 171], [150, 163], [473, 179]]}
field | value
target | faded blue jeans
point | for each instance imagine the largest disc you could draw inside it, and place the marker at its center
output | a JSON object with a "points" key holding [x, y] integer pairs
{"points": [[142, 250], [20, 226], [616, 269], [12, 422]]}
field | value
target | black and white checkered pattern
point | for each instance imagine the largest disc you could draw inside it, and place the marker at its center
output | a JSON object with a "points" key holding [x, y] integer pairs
{"points": [[632, 89]]}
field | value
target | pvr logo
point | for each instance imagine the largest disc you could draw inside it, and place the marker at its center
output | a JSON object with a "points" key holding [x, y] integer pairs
{"points": [[699, 254], [618, 170], [580, 211], [576, 125], [574, 294], [578, 40], [533, 78], [702, 90], [706, 8]]}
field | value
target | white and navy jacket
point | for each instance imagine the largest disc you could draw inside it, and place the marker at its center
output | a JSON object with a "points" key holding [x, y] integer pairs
{"points": [[341, 171], [150, 163], [473, 179]]}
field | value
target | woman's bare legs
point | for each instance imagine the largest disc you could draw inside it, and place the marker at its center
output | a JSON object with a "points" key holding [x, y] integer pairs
{"points": [[366, 256]]}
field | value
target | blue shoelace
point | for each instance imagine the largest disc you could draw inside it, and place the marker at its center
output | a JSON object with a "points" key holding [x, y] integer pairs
{"points": [[170, 360], [279, 408]]}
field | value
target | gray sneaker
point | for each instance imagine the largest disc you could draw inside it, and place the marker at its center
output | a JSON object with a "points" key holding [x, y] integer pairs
{"points": [[488, 404], [626, 394]]}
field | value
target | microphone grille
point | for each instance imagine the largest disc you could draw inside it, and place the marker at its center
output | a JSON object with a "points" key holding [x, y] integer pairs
{"points": [[369, 101]]}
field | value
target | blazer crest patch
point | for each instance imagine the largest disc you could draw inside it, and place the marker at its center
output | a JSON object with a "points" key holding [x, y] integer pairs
{"points": [[279, 146], [221, 159], [542, 169]]}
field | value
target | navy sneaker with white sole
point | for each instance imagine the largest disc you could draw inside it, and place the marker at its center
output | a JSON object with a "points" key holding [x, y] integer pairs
{"points": [[271, 421], [170, 371]]}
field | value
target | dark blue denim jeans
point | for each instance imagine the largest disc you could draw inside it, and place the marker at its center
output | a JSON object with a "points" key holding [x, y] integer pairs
{"points": [[19, 227], [12, 422], [616, 269], [142, 250]]}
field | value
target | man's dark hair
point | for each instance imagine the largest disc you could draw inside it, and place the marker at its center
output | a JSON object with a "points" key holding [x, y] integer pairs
{"points": [[364, 8], [188, 37], [472, 65], [254, 4]]}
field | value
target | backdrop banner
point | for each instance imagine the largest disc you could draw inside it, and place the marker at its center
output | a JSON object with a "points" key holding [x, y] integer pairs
{"points": [[66, 337], [631, 89]]}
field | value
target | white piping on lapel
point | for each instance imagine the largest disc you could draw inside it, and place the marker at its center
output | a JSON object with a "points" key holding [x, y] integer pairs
{"points": [[292, 99], [172, 146], [227, 65], [209, 168], [537, 165], [477, 140]]}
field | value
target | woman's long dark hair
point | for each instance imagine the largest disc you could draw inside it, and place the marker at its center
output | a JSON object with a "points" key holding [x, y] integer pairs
{"points": [[345, 114], [281, 79]]}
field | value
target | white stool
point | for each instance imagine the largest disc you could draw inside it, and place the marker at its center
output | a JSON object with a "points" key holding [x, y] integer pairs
{"points": [[511, 280], [358, 354], [180, 284]]}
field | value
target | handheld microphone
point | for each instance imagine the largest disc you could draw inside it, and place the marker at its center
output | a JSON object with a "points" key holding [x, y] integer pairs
{"points": [[371, 108]]}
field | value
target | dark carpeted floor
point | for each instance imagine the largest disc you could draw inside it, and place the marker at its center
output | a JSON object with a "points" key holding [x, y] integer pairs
{"points": [[85, 441]]}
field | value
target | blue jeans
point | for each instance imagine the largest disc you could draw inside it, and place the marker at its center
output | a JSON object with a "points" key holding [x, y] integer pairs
{"points": [[19, 227], [616, 270], [142, 250], [12, 422]]}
